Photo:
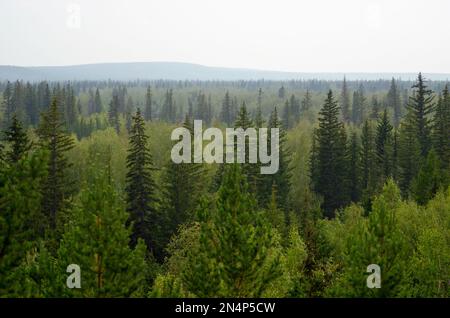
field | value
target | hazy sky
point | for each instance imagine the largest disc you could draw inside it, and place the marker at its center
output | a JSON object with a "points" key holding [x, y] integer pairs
{"points": [[288, 35]]}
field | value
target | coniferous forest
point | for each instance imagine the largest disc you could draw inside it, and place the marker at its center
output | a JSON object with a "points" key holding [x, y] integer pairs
{"points": [[86, 178]]}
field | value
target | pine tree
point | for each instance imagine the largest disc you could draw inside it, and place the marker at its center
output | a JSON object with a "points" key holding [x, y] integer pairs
{"points": [[409, 153], [20, 214], [54, 138], [113, 113], [32, 112], [358, 106], [226, 114], [331, 156], [375, 114], [8, 106], [148, 105], [281, 179], [441, 129], [429, 179], [393, 100], [128, 111], [182, 188], [286, 117], [237, 254], [141, 187], [354, 176], [97, 240], [383, 149], [18, 140], [368, 163], [376, 240], [294, 109], [419, 107], [259, 121], [98, 102], [168, 111], [281, 92], [345, 102], [71, 113]]}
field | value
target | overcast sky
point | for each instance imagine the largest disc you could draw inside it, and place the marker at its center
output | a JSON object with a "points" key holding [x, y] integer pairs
{"points": [[287, 35]]}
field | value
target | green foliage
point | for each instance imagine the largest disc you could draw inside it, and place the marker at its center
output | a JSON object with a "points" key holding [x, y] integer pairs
{"points": [[21, 220], [18, 140], [141, 188], [235, 246], [97, 240], [330, 181], [54, 138]]}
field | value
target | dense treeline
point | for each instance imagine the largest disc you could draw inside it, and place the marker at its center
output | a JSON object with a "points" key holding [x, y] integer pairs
{"points": [[86, 178]]}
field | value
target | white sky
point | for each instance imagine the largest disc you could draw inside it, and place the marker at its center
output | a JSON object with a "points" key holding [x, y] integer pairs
{"points": [[288, 35]]}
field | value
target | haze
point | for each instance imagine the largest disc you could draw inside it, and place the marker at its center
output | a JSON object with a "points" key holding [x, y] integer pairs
{"points": [[297, 36]]}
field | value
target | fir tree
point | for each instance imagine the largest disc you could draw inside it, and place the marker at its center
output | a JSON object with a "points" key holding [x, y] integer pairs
{"points": [[354, 176], [148, 104], [345, 102], [182, 188], [18, 140], [331, 156], [141, 187], [113, 113], [259, 121], [54, 138], [393, 100], [98, 102], [8, 106], [97, 240], [419, 107], [383, 149], [441, 129], [226, 114], [368, 162], [21, 219], [281, 92], [429, 179], [281, 179], [236, 256], [128, 111]]}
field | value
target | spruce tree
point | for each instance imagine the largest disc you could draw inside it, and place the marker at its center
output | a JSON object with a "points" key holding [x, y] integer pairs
{"points": [[54, 138], [236, 256], [368, 163], [21, 219], [168, 111], [182, 188], [331, 156], [419, 107], [345, 102], [281, 180], [128, 111], [393, 100], [226, 115], [281, 92], [97, 240], [383, 149], [18, 140], [148, 104], [259, 121], [113, 113], [354, 176], [141, 188], [8, 106], [441, 129], [98, 102], [429, 180]]}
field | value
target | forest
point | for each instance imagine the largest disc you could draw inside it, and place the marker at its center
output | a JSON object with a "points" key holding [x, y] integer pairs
{"points": [[86, 178]]}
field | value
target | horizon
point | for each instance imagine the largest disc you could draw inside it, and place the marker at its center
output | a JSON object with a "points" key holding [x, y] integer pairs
{"points": [[289, 36]]}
